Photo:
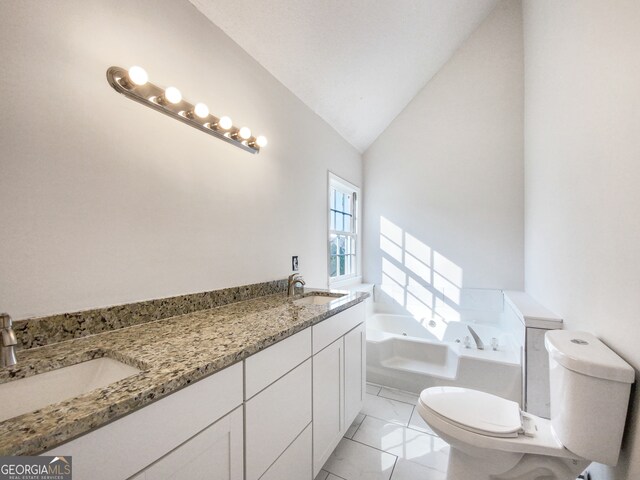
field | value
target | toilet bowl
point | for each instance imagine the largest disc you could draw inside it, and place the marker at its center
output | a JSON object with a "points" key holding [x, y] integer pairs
{"points": [[491, 438]]}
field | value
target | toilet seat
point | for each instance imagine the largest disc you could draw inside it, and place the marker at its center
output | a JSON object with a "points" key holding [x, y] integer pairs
{"points": [[475, 411], [539, 438]]}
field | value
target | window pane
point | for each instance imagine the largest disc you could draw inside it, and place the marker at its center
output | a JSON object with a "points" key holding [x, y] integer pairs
{"points": [[342, 243], [348, 246], [347, 223]]}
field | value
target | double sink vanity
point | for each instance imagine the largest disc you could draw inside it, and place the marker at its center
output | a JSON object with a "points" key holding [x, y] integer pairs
{"points": [[258, 389]]}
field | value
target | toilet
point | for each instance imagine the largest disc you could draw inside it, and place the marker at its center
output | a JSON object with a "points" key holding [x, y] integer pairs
{"points": [[491, 438]]}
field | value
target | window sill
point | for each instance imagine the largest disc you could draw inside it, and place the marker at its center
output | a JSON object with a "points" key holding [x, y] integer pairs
{"points": [[343, 283]]}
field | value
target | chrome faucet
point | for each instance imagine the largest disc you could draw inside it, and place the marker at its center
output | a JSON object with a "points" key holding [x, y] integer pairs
{"points": [[294, 279], [479, 344], [9, 342]]}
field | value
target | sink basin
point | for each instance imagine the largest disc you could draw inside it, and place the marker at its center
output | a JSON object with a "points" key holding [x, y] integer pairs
{"points": [[315, 300], [32, 393]]}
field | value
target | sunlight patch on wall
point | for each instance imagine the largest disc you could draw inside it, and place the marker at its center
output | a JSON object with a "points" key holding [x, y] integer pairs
{"points": [[421, 280], [390, 248], [447, 269], [391, 231]]}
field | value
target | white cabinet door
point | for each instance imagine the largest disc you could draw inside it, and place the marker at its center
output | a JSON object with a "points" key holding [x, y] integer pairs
{"points": [[328, 400], [275, 417], [354, 373], [213, 454]]}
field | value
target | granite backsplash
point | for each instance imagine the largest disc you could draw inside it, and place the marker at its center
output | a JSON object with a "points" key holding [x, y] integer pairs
{"points": [[36, 332]]}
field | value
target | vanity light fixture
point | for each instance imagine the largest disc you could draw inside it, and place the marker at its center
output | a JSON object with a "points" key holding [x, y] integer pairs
{"points": [[134, 84]]}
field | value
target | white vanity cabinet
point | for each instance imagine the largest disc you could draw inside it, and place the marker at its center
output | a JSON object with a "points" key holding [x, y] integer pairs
{"points": [[277, 415], [339, 364]]}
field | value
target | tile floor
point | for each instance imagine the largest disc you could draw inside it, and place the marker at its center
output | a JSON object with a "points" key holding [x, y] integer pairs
{"points": [[388, 441]]}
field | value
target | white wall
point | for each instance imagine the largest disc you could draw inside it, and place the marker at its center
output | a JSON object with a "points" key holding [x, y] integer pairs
{"points": [[582, 156], [448, 171], [104, 201]]}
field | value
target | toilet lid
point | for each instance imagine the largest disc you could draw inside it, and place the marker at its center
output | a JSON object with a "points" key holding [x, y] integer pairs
{"points": [[475, 411]]}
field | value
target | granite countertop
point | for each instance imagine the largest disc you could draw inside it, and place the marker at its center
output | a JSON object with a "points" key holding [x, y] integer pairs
{"points": [[171, 354]]}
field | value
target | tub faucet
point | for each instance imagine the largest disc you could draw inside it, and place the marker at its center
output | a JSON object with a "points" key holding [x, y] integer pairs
{"points": [[294, 279], [479, 344], [9, 342]]}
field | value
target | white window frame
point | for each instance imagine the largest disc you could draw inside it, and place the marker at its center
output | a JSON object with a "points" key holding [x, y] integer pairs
{"points": [[343, 185]]}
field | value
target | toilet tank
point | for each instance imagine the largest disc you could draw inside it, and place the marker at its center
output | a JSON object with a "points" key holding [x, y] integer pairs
{"points": [[589, 385]]}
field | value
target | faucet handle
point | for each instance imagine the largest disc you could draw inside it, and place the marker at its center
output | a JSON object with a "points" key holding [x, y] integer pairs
{"points": [[8, 335], [5, 321], [8, 338]]}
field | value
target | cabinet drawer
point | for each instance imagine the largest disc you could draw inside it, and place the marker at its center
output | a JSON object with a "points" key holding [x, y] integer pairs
{"points": [[265, 367], [275, 417], [326, 332], [295, 462], [140, 438]]}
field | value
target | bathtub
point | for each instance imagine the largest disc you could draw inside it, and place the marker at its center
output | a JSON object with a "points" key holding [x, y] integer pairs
{"points": [[412, 354]]}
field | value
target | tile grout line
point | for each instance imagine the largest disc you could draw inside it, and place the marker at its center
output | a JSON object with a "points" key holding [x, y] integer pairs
{"points": [[393, 455], [394, 399], [433, 434], [408, 425], [369, 446], [334, 474], [364, 417], [394, 468]]}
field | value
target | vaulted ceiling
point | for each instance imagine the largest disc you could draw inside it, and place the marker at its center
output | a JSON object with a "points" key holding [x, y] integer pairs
{"points": [[356, 63]]}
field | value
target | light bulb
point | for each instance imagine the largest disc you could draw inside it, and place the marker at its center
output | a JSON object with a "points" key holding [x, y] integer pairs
{"points": [[261, 141], [138, 75], [244, 133], [172, 95], [201, 110], [225, 123]]}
